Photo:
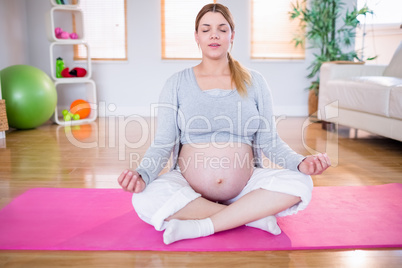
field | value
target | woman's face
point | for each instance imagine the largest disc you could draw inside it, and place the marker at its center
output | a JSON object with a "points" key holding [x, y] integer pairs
{"points": [[214, 35]]}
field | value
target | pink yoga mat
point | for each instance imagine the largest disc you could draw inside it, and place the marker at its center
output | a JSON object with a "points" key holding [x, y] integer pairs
{"points": [[103, 219]]}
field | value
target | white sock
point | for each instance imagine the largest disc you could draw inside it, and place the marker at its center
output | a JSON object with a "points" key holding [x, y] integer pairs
{"points": [[267, 224], [185, 229]]}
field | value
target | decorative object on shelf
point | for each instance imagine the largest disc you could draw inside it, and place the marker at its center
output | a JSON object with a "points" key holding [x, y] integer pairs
{"points": [[59, 67], [30, 95], [60, 34], [318, 24], [76, 72], [81, 108], [73, 36], [68, 116], [65, 2]]}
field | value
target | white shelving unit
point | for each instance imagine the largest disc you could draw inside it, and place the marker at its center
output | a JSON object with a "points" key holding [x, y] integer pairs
{"points": [[71, 88]]}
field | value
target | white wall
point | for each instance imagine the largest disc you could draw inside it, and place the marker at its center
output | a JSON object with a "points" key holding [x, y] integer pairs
{"points": [[13, 32], [133, 85], [381, 40]]}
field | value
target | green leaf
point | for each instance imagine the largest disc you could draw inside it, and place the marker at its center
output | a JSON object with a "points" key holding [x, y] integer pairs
{"points": [[372, 58]]}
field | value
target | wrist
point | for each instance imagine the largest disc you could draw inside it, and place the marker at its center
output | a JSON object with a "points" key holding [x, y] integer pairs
{"points": [[298, 166]]}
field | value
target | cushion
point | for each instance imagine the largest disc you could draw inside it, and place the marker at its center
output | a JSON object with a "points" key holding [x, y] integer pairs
{"points": [[394, 68], [378, 80], [360, 94], [395, 102]]}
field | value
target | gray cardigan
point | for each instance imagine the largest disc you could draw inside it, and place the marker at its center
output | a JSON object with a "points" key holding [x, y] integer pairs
{"points": [[167, 136]]}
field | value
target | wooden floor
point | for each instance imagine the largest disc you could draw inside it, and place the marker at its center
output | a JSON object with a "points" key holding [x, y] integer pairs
{"points": [[92, 156]]}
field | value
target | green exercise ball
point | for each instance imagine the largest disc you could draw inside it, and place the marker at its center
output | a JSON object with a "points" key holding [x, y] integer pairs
{"points": [[30, 95]]}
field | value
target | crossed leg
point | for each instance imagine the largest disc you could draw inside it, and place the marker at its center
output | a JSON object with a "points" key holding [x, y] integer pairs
{"points": [[202, 217]]}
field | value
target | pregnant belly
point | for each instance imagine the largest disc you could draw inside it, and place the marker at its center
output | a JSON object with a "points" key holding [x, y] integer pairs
{"points": [[218, 174]]}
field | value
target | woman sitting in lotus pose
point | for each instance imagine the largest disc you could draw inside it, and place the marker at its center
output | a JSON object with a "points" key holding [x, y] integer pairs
{"points": [[217, 118]]}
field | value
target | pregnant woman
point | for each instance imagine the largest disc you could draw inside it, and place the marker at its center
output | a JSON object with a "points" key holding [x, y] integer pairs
{"points": [[217, 120]]}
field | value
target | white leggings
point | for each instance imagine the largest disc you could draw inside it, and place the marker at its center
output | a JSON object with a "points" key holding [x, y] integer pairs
{"points": [[170, 192]]}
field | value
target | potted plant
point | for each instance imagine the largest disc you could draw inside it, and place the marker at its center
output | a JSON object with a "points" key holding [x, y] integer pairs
{"points": [[318, 24]]}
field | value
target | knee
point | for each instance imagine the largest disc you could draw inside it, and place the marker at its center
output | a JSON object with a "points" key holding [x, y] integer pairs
{"points": [[142, 207], [309, 182], [137, 201], [303, 181]]}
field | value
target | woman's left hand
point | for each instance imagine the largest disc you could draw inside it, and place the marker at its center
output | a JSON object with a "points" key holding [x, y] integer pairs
{"points": [[315, 164]]}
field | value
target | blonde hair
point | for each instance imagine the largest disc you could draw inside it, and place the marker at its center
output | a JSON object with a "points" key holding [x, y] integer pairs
{"points": [[239, 75]]}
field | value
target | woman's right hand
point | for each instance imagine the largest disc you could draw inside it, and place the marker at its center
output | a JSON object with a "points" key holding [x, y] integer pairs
{"points": [[131, 181]]}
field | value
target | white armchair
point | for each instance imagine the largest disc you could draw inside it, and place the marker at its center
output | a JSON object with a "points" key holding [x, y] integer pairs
{"points": [[367, 97]]}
